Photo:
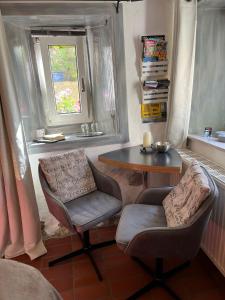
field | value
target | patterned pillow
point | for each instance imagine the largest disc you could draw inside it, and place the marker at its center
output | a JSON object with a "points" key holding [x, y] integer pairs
{"points": [[185, 199], [68, 175]]}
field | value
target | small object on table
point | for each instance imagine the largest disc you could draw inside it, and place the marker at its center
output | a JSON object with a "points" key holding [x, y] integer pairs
{"points": [[146, 150], [147, 143], [147, 139], [208, 131], [161, 147]]}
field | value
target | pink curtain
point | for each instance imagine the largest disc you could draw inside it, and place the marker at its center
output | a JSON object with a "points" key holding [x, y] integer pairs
{"points": [[19, 220]]}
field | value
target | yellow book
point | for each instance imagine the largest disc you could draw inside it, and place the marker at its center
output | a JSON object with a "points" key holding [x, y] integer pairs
{"points": [[150, 110]]}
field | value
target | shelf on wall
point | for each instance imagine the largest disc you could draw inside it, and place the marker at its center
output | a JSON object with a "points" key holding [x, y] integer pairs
{"points": [[154, 121], [153, 69], [154, 95], [154, 74]]}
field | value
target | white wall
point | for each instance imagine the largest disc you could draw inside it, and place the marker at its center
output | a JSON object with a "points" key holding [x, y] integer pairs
{"points": [[143, 18], [140, 18]]}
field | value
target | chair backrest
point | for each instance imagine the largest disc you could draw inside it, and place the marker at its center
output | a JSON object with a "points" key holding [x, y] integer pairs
{"points": [[199, 221], [204, 211], [55, 206]]}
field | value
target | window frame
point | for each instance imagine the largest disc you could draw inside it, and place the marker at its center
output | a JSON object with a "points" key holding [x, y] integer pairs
{"points": [[53, 118]]}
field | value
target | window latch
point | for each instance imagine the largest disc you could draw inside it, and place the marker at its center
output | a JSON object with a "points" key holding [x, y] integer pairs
{"points": [[82, 85]]}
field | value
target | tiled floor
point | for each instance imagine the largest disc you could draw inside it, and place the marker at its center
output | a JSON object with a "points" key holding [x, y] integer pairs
{"points": [[76, 279]]}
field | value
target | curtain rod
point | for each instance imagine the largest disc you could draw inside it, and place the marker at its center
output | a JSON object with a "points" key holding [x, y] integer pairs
{"points": [[38, 31], [71, 28]]}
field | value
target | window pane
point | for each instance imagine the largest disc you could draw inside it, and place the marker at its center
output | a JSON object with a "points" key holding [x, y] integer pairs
{"points": [[64, 71]]}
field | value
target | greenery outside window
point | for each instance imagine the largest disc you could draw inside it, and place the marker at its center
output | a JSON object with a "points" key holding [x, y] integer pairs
{"points": [[63, 79]]}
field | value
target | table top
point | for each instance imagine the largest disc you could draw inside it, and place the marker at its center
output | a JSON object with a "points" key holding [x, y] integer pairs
{"points": [[131, 158]]}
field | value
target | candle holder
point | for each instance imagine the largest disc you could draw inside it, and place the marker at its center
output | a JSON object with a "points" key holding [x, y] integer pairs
{"points": [[146, 150]]}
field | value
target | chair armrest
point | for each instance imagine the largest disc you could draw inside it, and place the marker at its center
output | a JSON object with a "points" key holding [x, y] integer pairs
{"points": [[153, 196], [105, 183], [181, 242], [55, 205]]}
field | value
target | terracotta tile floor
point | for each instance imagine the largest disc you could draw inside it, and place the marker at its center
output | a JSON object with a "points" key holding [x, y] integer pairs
{"points": [[76, 280]]}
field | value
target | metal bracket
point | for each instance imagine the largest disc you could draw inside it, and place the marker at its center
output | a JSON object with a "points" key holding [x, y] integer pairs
{"points": [[118, 6], [119, 1]]}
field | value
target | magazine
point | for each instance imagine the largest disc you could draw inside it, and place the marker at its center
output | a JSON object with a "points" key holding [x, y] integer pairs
{"points": [[156, 84], [154, 48]]}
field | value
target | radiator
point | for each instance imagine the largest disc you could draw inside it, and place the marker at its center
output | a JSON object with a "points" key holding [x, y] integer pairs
{"points": [[213, 242]]}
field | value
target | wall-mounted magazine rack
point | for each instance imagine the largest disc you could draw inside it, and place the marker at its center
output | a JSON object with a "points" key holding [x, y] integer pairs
{"points": [[154, 74], [152, 69]]}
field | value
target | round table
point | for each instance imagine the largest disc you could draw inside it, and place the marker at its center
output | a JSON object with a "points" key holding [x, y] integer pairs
{"points": [[133, 159]]}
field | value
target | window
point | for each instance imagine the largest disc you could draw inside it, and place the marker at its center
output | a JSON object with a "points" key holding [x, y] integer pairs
{"points": [[93, 36], [63, 79], [64, 76], [208, 101]]}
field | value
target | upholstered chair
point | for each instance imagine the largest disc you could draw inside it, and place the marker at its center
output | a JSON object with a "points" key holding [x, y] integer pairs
{"points": [[19, 281], [84, 213], [143, 232]]}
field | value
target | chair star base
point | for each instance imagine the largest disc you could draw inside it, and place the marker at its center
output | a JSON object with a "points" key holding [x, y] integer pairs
{"points": [[87, 249], [159, 279]]}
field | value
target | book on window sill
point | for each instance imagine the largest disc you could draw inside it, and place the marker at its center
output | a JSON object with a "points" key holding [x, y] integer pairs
{"points": [[47, 141], [55, 137], [51, 138]]}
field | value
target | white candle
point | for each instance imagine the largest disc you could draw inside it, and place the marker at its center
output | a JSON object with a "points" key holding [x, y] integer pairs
{"points": [[147, 139]]}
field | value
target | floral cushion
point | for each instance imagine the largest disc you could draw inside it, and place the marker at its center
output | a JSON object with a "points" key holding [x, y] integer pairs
{"points": [[185, 199], [68, 175]]}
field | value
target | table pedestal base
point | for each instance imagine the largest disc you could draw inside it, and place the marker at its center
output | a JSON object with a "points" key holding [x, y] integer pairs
{"points": [[145, 180]]}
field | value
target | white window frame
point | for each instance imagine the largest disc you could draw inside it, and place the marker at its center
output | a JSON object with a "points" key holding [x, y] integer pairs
{"points": [[53, 118]]}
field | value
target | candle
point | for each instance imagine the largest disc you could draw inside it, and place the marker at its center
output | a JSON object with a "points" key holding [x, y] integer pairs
{"points": [[147, 139]]}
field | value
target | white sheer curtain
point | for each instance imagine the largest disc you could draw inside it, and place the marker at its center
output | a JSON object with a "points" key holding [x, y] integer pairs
{"points": [[19, 220], [185, 24]]}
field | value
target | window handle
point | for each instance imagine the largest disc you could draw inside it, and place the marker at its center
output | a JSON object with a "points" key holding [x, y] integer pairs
{"points": [[82, 85]]}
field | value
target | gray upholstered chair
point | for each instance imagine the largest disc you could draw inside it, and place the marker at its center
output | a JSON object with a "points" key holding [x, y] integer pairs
{"points": [[143, 232], [82, 214], [19, 281]]}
